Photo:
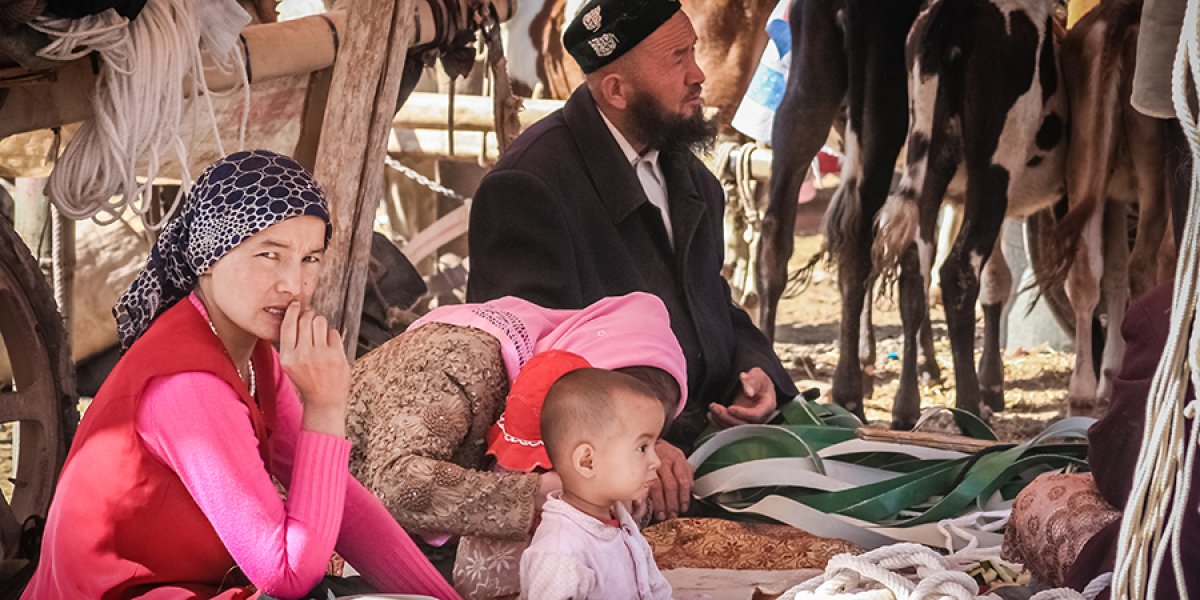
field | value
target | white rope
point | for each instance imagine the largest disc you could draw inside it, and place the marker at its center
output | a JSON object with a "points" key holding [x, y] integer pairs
{"points": [[138, 103], [1147, 532], [899, 571], [911, 572]]}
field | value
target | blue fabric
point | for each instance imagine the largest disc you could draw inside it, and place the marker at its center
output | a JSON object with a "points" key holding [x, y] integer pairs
{"points": [[233, 199]]}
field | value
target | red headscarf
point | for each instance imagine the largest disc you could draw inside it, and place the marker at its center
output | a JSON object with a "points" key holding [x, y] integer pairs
{"points": [[516, 439]]}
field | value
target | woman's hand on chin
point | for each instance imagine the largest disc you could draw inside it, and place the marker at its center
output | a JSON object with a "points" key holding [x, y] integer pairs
{"points": [[312, 356]]}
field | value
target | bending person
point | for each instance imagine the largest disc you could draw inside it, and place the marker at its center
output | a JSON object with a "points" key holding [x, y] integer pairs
{"points": [[167, 490], [423, 404]]}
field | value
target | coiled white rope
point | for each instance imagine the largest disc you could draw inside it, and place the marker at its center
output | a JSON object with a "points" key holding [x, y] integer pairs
{"points": [[1148, 533], [910, 572], [148, 67]]}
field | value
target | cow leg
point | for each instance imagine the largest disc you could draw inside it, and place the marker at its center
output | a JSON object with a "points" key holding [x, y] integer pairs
{"points": [[916, 270], [949, 221], [983, 216], [1083, 291], [996, 289], [1095, 100], [1115, 283], [878, 121], [1144, 138], [866, 341], [914, 313], [816, 87]]}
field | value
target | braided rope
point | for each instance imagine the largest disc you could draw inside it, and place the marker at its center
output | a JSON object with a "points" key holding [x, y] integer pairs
{"points": [[1148, 533]]}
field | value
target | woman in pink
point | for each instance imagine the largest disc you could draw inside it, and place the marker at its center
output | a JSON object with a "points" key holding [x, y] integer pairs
{"points": [[422, 405], [167, 491]]}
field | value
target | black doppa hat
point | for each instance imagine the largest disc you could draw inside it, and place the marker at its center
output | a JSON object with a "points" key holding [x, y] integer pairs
{"points": [[604, 30]]}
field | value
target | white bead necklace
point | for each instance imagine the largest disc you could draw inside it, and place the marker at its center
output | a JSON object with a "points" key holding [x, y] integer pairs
{"points": [[249, 363]]}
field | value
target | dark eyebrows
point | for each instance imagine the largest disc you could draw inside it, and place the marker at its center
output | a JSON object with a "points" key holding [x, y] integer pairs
{"points": [[274, 244]]}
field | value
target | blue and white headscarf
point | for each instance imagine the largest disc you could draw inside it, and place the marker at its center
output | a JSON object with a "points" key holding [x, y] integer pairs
{"points": [[233, 199]]}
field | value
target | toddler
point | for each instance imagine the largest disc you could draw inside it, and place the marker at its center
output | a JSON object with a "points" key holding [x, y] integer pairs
{"points": [[599, 429]]}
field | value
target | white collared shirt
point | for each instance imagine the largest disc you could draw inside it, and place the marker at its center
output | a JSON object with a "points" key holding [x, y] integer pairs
{"points": [[649, 173]]}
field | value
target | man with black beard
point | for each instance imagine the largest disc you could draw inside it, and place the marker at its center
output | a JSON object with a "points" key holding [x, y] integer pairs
{"points": [[605, 198]]}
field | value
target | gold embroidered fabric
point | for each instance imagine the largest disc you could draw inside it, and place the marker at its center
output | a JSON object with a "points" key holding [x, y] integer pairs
{"points": [[719, 544], [1052, 519], [421, 405], [487, 568]]}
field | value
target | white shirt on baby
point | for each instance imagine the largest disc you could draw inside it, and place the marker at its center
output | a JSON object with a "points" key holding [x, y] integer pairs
{"points": [[575, 555]]}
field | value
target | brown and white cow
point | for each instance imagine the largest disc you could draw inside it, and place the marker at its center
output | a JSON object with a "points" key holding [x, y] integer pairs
{"points": [[987, 125], [1116, 157]]}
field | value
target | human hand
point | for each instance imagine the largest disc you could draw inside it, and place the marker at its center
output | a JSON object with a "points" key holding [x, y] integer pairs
{"points": [[311, 355], [754, 403], [671, 493]]}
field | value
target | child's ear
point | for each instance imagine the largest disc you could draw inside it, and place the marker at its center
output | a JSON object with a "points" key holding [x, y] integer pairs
{"points": [[582, 459]]}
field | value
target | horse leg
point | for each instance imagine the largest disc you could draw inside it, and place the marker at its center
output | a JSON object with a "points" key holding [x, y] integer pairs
{"points": [[801, 126]]}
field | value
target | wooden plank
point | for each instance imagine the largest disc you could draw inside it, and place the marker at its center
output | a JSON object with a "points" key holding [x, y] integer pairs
{"points": [[942, 441], [353, 142], [424, 110]]}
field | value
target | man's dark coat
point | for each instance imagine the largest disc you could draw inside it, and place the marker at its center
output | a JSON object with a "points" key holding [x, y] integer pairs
{"points": [[562, 221]]}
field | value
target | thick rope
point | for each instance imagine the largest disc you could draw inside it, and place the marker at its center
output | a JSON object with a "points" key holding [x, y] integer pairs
{"points": [[911, 572], [139, 99], [1148, 533]]}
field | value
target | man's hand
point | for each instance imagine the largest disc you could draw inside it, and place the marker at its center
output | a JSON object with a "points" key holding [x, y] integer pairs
{"points": [[754, 403], [672, 491]]}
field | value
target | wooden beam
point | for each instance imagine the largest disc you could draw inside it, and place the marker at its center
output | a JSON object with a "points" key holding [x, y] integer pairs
{"points": [[43, 99], [941, 441], [424, 110], [353, 142]]}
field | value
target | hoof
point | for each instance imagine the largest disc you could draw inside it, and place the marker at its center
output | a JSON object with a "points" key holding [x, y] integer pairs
{"points": [[993, 400], [1081, 402], [931, 376]]}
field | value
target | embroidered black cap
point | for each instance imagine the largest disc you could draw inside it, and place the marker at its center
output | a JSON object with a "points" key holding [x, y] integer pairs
{"points": [[603, 30]]}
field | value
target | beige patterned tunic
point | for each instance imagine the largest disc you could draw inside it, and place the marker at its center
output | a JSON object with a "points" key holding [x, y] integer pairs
{"points": [[421, 405]]}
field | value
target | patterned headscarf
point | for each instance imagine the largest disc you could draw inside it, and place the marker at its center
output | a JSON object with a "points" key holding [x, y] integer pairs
{"points": [[233, 199]]}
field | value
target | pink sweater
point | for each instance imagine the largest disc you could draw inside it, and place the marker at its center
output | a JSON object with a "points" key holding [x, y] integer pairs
{"points": [[196, 425]]}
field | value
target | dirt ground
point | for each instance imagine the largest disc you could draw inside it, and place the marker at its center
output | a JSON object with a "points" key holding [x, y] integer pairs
{"points": [[806, 341]]}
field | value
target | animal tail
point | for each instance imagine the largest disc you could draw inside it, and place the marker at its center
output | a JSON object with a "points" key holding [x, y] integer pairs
{"points": [[801, 278], [1061, 246], [896, 231]]}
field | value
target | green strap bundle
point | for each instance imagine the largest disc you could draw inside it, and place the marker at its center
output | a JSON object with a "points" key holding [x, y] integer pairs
{"points": [[812, 472]]}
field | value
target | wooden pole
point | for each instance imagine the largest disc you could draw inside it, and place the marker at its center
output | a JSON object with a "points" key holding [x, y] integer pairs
{"points": [[353, 142]]}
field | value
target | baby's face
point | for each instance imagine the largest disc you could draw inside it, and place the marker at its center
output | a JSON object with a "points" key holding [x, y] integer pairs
{"points": [[627, 463]]}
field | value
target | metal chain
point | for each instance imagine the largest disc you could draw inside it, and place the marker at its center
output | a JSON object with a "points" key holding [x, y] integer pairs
{"points": [[424, 181]]}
